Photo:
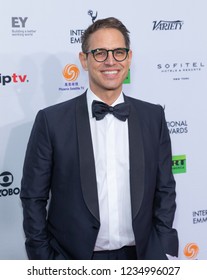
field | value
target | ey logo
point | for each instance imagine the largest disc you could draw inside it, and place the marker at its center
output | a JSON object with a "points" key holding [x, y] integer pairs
{"points": [[191, 250], [71, 72], [19, 22]]}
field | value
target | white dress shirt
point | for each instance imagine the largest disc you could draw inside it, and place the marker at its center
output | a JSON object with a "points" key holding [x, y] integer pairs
{"points": [[111, 152]]}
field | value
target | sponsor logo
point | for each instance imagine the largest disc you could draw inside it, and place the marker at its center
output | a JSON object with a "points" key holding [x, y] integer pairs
{"points": [[199, 216], [179, 164], [191, 251], [19, 22], [127, 79], [14, 78], [180, 71], [167, 25], [76, 33], [177, 127], [19, 27], [71, 73], [6, 180], [92, 15]]}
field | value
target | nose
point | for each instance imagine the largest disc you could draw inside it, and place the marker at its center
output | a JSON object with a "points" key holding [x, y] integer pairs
{"points": [[110, 59]]}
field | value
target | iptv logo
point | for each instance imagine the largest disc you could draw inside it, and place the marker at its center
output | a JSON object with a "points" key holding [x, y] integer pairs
{"points": [[18, 22], [14, 78]]}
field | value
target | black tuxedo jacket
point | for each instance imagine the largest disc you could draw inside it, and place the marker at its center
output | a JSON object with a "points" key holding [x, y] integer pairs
{"points": [[59, 167]]}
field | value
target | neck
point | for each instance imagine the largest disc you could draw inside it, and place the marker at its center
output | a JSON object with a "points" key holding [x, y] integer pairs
{"points": [[108, 96]]}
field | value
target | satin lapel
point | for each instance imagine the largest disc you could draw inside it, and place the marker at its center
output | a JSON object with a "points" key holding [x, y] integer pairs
{"points": [[86, 156], [136, 157]]}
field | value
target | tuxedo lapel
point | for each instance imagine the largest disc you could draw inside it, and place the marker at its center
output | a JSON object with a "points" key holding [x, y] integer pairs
{"points": [[87, 163], [136, 157], [86, 156]]}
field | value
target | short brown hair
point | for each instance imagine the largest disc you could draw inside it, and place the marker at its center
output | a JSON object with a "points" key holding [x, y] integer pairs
{"points": [[109, 22]]}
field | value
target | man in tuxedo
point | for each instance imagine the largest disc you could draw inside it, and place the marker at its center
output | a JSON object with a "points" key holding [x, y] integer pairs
{"points": [[103, 161]]}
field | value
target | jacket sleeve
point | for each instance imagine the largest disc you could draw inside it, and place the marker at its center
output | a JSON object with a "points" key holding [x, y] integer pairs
{"points": [[165, 195], [35, 189]]}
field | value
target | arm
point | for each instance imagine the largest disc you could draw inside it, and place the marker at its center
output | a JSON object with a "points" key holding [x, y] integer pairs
{"points": [[164, 203], [35, 190]]}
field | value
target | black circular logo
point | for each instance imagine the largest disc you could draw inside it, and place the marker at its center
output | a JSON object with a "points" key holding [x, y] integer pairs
{"points": [[6, 179]]}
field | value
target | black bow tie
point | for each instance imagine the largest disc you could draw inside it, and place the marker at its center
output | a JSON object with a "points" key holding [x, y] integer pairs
{"points": [[100, 109]]}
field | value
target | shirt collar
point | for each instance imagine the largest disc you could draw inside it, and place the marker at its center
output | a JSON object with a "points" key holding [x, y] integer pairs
{"points": [[91, 96]]}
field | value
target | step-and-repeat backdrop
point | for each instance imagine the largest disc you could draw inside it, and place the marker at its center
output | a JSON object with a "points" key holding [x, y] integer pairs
{"points": [[39, 66]]}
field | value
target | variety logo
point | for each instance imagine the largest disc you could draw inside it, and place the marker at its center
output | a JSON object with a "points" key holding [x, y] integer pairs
{"points": [[14, 78], [127, 79], [93, 17], [179, 164], [71, 73], [191, 250], [177, 127], [167, 25], [19, 27], [6, 180], [200, 216]]}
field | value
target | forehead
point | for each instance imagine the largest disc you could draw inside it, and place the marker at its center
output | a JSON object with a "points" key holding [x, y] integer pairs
{"points": [[108, 38]]}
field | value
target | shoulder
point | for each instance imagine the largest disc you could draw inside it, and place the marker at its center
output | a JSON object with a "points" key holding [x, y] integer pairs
{"points": [[63, 106], [59, 113], [145, 107]]}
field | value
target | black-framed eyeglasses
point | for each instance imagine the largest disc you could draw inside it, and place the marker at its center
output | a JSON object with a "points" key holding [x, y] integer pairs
{"points": [[100, 55]]}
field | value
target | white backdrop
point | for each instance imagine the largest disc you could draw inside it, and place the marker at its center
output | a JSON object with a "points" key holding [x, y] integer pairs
{"points": [[169, 42]]}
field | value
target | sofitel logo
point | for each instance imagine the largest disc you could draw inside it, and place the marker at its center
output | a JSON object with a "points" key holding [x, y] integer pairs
{"points": [[167, 25], [180, 67], [180, 71]]}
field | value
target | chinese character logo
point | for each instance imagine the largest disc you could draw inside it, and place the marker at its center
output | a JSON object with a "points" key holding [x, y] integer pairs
{"points": [[71, 72]]}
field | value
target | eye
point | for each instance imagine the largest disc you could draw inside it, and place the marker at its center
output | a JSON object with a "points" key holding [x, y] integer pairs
{"points": [[120, 52], [100, 53]]}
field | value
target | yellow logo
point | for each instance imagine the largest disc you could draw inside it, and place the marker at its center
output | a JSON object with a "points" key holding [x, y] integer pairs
{"points": [[71, 72]]}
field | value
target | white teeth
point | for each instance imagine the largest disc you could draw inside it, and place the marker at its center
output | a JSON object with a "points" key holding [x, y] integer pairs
{"points": [[110, 72]]}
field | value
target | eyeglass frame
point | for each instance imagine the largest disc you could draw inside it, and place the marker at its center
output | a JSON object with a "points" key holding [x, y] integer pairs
{"points": [[107, 51]]}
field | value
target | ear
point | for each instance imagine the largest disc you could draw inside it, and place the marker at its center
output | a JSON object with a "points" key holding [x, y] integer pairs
{"points": [[83, 60], [130, 57]]}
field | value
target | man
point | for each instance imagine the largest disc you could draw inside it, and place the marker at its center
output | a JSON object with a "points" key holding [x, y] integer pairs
{"points": [[106, 169]]}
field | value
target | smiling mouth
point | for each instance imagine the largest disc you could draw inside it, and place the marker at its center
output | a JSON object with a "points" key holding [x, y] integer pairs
{"points": [[110, 72]]}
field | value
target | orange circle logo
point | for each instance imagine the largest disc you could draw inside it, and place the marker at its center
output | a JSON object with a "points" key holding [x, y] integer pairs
{"points": [[71, 72], [191, 250]]}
